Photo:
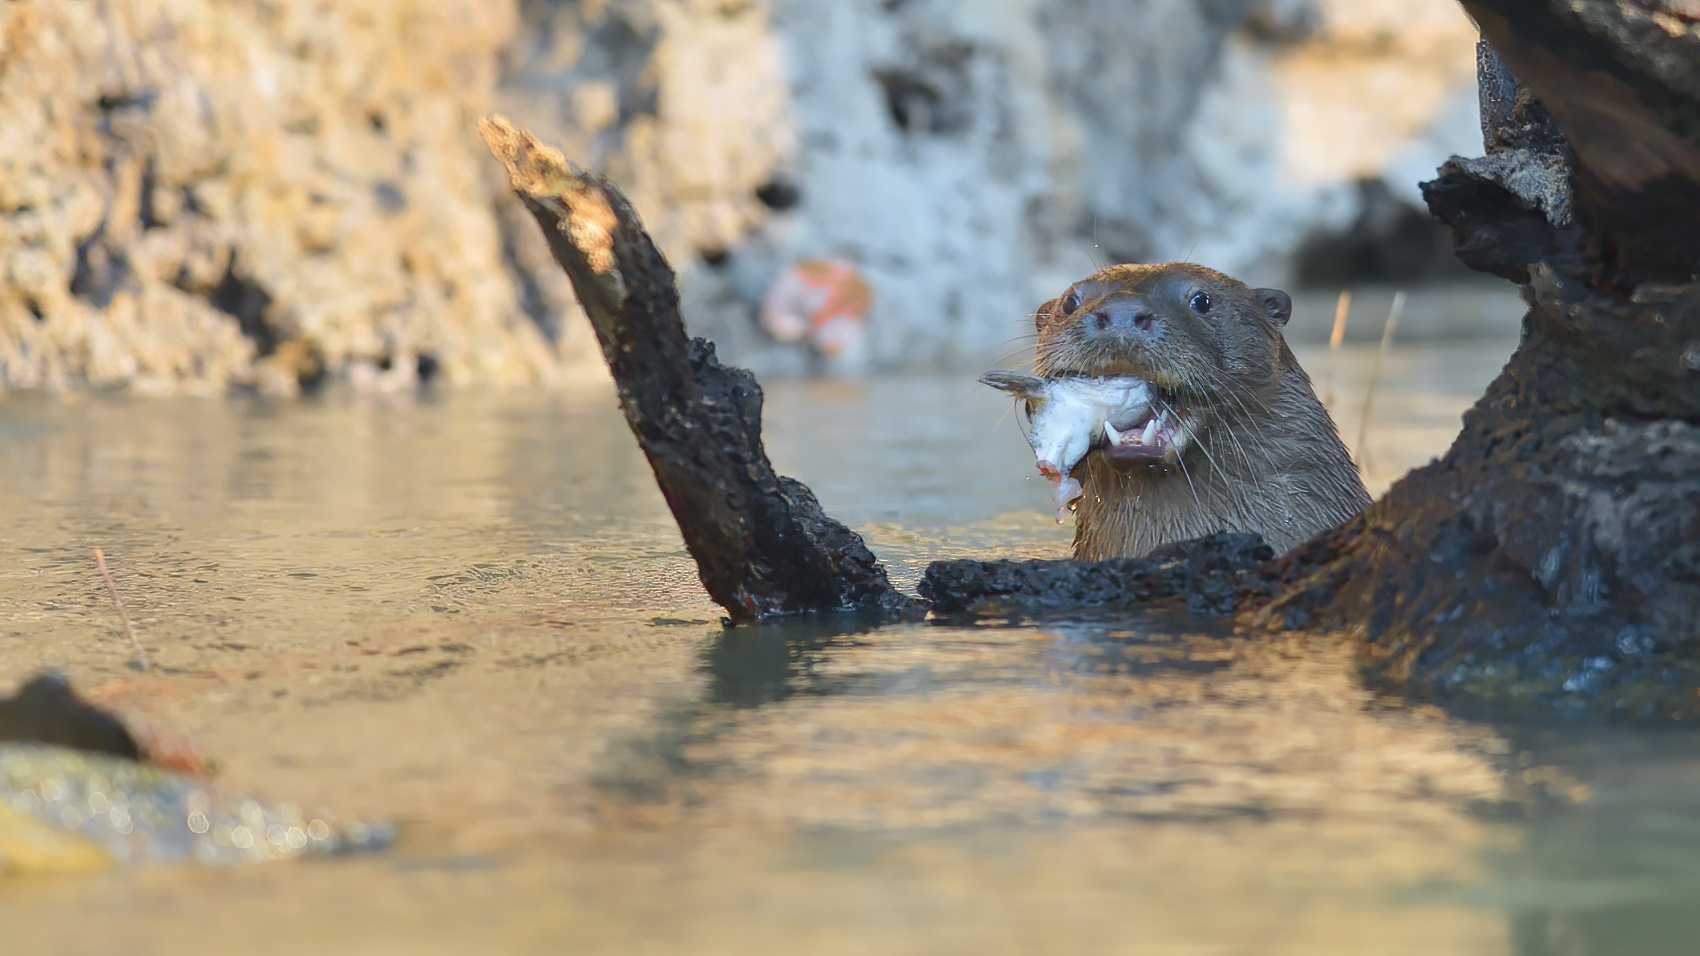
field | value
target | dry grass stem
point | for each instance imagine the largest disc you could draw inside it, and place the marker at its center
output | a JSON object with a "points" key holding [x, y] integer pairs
{"points": [[118, 602], [1375, 378], [1334, 339]]}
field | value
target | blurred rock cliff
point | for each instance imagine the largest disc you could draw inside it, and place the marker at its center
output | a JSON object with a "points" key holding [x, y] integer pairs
{"points": [[199, 195]]}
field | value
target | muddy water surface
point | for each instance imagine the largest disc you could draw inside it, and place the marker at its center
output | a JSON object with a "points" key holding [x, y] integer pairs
{"points": [[473, 616]]}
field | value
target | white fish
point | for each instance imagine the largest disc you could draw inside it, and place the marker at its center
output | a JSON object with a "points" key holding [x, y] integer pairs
{"points": [[1067, 417]]}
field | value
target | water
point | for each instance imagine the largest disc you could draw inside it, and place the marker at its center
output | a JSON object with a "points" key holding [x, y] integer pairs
{"points": [[474, 616], [129, 812]]}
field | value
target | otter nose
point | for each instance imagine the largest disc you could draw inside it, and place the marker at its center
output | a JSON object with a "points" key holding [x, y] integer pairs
{"points": [[1123, 316]]}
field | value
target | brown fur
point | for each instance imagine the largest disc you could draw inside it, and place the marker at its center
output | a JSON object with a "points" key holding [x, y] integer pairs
{"points": [[1259, 452]]}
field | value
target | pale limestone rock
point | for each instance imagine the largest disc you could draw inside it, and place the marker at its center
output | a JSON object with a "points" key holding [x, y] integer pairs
{"points": [[197, 194], [972, 158], [188, 185]]}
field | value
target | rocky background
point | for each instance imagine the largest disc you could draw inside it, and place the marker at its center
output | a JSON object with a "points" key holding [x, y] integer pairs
{"points": [[201, 195]]}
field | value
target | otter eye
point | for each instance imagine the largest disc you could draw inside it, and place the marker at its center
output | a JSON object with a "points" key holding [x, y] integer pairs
{"points": [[1200, 302], [1070, 302]]}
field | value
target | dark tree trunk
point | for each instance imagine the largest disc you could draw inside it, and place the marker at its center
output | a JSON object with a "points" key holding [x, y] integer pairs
{"points": [[762, 544], [1552, 557]]}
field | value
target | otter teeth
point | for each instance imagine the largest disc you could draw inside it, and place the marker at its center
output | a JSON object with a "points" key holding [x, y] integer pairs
{"points": [[1154, 429]]}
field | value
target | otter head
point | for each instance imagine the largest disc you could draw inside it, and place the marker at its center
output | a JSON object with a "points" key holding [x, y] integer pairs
{"points": [[1208, 344]]}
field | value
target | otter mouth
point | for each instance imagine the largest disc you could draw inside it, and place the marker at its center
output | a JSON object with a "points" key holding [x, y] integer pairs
{"points": [[1158, 437], [1154, 439]]}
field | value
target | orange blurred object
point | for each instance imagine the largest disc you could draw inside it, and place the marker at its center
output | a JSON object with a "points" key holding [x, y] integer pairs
{"points": [[822, 301]]}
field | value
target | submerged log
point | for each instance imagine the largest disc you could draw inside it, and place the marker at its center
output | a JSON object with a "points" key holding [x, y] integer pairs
{"points": [[762, 544], [1214, 574], [1552, 557]]}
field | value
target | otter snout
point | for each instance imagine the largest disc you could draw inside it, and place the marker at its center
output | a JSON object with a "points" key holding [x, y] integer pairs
{"points": [[1122, 317]]}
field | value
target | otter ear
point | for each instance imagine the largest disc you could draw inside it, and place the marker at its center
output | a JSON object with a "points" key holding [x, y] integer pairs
{"points": [[1043, 314], [1276, 305]]}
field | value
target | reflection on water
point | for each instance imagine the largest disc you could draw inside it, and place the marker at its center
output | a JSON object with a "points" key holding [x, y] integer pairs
{"points": [[751, 666], [474, 616]]}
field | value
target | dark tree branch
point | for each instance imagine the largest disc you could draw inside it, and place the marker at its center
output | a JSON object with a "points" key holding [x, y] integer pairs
{"points": [[1493, 230], [762, 544], [1621, 80]]}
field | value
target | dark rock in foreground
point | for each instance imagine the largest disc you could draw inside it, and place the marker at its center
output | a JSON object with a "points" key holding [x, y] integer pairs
{"points": [[45, 710]]}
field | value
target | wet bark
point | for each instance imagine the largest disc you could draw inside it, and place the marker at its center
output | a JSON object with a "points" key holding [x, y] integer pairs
{"points": [[1552, 557], [762, 544], [1214, 574]]}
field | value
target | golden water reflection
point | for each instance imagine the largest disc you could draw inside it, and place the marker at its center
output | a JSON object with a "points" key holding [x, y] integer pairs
{"points": [[474, 616]]}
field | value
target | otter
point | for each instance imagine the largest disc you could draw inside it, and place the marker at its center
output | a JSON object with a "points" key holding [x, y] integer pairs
{"points": [[1236, 439]]}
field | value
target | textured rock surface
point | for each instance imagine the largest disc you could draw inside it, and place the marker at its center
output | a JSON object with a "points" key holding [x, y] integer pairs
{"points": [[197, 194], [971, 156]]}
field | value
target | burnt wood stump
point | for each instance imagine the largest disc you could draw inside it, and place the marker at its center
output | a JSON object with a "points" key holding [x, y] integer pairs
{"points": [[761, 542], [1551, 559]]}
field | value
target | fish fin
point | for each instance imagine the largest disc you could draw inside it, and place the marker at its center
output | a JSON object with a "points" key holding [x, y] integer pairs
{"points": [[1015, 383]]}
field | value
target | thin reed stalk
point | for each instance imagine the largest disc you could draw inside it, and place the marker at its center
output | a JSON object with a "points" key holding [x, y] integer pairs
{"points": [[118, 602], [1343, 306], [1375, 379]]}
